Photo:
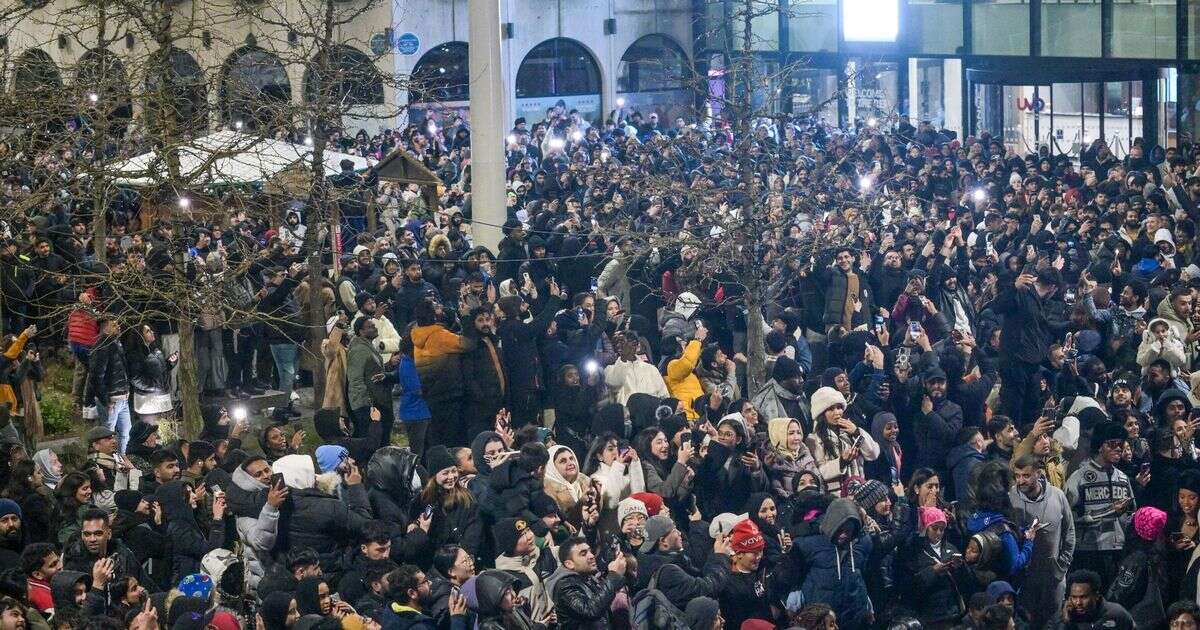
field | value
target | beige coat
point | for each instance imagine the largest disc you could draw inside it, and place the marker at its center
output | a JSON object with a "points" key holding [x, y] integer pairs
{"points": [[335, 371]]}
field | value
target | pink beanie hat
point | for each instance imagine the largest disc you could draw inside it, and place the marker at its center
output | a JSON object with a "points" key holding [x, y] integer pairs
{"points": [[927, 516], [1149, 523]]}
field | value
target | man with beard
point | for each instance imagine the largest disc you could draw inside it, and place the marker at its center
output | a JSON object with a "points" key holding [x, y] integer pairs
{"points": [[662, 556], [783, 396], [1005, 438], [582, 598], [483, 371], [12, 535], [405, 290], [888, 276], [95, 542], [1086, 608], [347, 289], [369, 380], [1035, 501], [952, 300], [936, 422], [387, 339]]}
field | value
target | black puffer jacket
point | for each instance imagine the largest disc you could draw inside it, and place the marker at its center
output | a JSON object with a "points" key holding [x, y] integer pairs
{"points": [[189, 541], [327, 524], [106, 372], [517, 494]]}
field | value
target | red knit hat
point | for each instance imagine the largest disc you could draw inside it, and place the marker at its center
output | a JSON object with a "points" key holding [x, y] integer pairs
{"points": [[746, 537], [653, 502]]}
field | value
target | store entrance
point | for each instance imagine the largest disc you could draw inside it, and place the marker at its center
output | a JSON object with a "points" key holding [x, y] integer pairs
{"points": [[1067, 110], [1066, 117]]}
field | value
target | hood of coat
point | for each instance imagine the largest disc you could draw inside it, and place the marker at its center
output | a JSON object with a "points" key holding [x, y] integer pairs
{"points": [[839, 513], [176, 501], [327, 422], [62, 588], [477, 445], [297, 470], [490, 587], [980, 521], [392, 470], [243, 480]]}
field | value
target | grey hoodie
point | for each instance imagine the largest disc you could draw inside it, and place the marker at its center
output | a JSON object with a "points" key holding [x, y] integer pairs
{"points": [[259, 533], [1053, 549]]}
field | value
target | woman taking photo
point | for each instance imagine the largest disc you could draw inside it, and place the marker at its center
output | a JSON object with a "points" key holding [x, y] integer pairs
{"points": [[189, 540], [453, 512], [619, 472], [150, 377], [839, 447], [668, 477], [39, 510]]}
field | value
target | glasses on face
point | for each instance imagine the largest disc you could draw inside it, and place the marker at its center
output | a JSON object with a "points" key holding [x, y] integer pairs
{"points": [[1114, 444]]}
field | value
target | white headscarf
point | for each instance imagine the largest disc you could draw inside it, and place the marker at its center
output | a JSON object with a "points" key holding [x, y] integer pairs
{"points": [[578, 487]]}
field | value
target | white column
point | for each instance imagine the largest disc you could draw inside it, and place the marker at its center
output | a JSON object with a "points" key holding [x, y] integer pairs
{"points": [[488, 122], [952, 80]]}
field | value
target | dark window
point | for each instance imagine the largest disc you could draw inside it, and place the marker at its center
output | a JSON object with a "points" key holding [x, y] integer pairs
{"points": [[36, 73], [183, 83], [253, 87], [558, 67], [353, 78], [653, 63], [441, 75]]}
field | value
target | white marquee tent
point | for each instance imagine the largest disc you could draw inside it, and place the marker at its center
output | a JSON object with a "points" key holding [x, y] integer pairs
{"points": [[231, 158]]}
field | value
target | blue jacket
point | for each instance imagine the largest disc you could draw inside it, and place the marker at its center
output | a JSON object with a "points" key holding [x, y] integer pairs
{"points": [[412, 405], [834, 575], [960, 461], [1013, 555]]}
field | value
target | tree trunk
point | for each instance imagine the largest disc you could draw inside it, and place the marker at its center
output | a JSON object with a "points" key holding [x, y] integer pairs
{"points": [[188, 379], [316, 323], [756, 351]]}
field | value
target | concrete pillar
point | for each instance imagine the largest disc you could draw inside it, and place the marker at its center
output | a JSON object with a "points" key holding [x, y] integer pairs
{"points": [[489, 120]]}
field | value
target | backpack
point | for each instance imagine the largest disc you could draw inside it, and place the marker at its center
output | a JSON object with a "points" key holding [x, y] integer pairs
{"points": [[651, 610]]}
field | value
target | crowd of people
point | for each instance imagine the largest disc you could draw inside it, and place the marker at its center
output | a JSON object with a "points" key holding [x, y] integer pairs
{"points": [[979, 408]]}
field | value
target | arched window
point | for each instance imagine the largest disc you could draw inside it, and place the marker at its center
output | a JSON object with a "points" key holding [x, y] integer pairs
{"points": [[36, 75], [441, 75], [255, 89], [185, 90], [102, 86], [653, 63], [353, 78], [558, 67]]}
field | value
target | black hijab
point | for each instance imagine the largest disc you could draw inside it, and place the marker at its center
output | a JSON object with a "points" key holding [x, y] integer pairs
{"points": [[308, 598]]}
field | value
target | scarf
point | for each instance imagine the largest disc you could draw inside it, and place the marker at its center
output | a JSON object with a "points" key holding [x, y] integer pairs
{"points": [[42, 459], [852, 290], [577, 488]]}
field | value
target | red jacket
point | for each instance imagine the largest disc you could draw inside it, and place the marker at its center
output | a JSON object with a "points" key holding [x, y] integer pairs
{"points": [[82, 327]]}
